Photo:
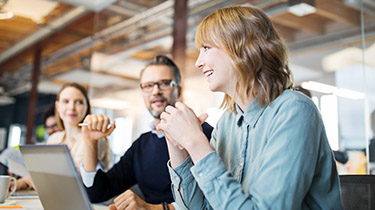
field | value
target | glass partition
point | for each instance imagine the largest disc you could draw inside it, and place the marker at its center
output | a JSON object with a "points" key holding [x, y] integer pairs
{"points": [[335, 64]]}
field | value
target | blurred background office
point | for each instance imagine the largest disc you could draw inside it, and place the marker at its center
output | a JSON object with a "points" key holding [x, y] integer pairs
{"points": [[104, 44]]}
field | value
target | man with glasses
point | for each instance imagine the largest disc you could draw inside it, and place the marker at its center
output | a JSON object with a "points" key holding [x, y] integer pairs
{"points": [[145, 162], [49, 120]]}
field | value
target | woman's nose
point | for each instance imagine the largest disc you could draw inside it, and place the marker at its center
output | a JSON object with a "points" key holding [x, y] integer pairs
{"points": [[199, 62], [71, 105]]}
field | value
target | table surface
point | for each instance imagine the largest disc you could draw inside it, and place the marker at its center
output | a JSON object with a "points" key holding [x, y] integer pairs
{"points": [[33, 203], [26, 203]]}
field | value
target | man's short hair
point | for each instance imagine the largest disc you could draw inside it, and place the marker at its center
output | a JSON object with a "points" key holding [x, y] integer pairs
{"points": [[50, 111], [164, 60]]}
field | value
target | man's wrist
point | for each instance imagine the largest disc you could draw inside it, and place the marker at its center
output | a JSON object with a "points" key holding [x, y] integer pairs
{"points": [[165, 205]]}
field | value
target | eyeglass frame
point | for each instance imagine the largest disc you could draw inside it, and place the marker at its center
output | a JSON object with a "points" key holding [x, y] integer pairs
{"points": [[158, 83], [51, 126]]}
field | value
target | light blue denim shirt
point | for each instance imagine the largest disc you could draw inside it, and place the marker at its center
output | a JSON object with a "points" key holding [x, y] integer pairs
{"points": [[272, 157]]}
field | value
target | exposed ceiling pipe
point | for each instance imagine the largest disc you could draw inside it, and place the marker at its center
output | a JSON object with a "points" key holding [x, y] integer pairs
{"points": [[368, 5], [163, 9], [144, 18], [332, 40], [43, 33]]}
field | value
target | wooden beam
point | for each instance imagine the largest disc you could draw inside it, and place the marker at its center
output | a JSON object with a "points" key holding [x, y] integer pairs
{"points": [[18, 25], [66, 64], [305, 23], [15, 63], [179, 33], [33, 97], [337, 11], [287, 34]]}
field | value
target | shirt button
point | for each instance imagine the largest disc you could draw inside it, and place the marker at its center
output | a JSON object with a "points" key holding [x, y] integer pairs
{"points": [[200, 174], [241, 164]]}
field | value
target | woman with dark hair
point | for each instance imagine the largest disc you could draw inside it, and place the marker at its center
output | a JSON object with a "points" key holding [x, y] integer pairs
{"points": [[269, 150], [72, 106]]}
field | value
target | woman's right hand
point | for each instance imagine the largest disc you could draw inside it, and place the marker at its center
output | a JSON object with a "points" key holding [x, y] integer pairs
{"points": [[24, 183], [97, 127]]}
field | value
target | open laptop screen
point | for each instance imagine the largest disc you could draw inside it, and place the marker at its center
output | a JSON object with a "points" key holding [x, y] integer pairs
{"points": [[55, 178]]}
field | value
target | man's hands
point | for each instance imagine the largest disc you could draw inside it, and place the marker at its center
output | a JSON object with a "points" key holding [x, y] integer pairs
{"points": [[130, 201], [97, 127]]}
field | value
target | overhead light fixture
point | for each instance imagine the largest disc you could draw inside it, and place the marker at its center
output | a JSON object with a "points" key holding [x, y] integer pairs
{"points": [[5, 15], [301, 7], [36, 10], [6, 100], [329, 89]]}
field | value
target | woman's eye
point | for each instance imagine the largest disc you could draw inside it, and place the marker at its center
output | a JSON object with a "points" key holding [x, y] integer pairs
{"points": [[65, 101], [79, 102], [205, 48]]}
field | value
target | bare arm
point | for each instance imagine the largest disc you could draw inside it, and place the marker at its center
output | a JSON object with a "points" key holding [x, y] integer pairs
{"points": [[90, 159]]}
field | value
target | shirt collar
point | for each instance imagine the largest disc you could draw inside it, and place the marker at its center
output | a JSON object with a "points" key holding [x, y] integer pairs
{"points": [[251, 114], [154, 131]]}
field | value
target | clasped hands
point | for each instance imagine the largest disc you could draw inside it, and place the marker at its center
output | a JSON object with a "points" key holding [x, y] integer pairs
{"points": [[179, 125]]}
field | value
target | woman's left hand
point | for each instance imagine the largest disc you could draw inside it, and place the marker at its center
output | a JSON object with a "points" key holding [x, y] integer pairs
{"points": [[98, 127]]}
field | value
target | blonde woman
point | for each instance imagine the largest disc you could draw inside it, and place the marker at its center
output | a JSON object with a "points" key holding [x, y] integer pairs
{"points": [[269, 150]]}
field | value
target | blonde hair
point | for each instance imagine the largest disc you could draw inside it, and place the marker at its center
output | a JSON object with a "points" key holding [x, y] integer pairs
{"points": [[258, 55]]}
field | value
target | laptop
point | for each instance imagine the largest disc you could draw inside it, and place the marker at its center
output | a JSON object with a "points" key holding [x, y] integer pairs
{"points": [[55, 178]]}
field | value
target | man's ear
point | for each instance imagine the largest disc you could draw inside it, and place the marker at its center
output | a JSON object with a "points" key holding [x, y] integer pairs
{"points": [[179, 93]]}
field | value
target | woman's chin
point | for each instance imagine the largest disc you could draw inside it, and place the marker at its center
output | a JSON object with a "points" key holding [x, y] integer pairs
{"points": [[213, 88], [72, 122]]}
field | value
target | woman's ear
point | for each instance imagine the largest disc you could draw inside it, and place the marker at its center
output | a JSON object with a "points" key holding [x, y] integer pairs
{"points": [[56, 106]]}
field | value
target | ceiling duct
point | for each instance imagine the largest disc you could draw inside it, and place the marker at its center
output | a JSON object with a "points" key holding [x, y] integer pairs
{"points": [[368, 6], [93, 5]]}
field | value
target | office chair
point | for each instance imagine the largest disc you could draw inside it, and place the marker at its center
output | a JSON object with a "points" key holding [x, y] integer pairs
{"points": [[358, 192]]}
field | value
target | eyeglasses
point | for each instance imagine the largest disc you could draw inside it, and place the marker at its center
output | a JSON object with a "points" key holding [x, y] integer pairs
{"points": [[162, 85], [51, 126]]}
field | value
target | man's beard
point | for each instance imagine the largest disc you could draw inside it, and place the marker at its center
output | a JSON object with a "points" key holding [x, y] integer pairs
{"points": [[156, 114]]}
